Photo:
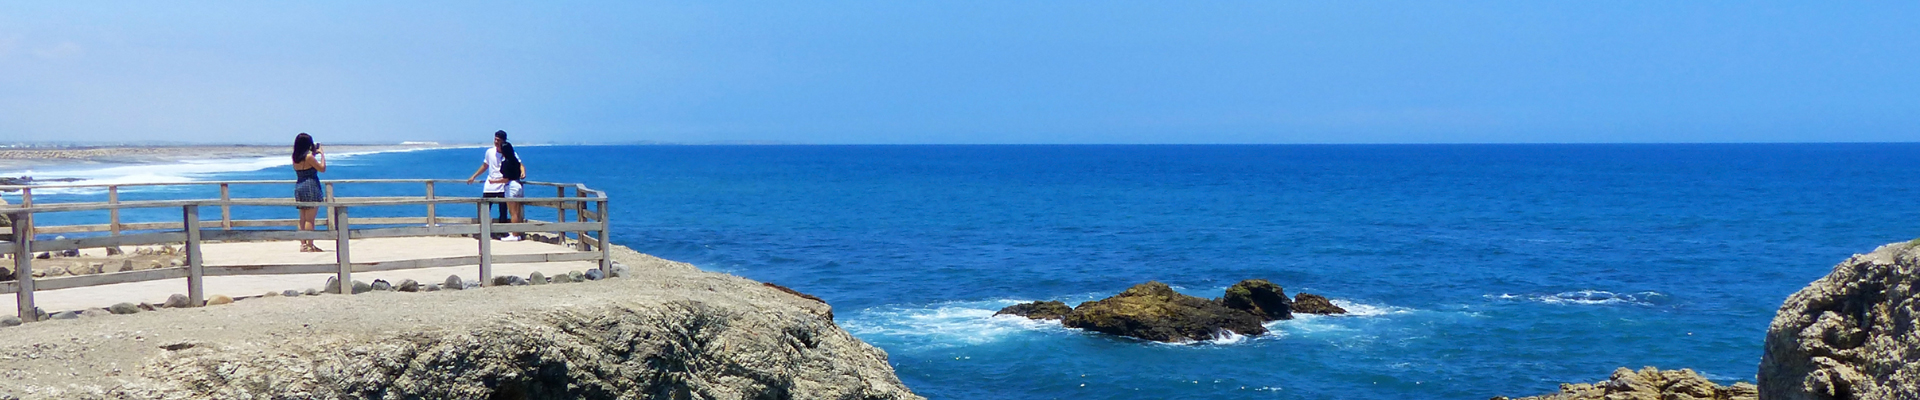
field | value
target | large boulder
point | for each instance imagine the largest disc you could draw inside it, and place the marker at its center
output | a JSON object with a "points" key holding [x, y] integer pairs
{"points": [[1651, 384], [1038, 310], [1261, 298], [1851, 334], [1315, 304], [1153, 311]]}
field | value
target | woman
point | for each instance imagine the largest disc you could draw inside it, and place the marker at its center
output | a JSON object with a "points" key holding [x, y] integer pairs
{"points": [[308, 163], [513, 172]]}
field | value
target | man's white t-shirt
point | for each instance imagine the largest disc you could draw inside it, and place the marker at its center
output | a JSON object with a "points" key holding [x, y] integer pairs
{"points": [[493, 162]]}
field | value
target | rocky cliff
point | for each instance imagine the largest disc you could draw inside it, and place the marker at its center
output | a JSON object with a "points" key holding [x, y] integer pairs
{"points": [[669, 331], [1650, 384], [1851, 334]]}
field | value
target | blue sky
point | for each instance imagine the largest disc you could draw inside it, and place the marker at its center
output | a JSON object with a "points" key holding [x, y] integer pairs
{"points": [[913, 72]]}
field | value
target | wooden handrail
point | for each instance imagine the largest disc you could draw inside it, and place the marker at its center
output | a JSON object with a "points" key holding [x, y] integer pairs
{"points": [[589, 205]]}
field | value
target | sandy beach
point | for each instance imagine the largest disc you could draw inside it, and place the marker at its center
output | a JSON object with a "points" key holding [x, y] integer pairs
{"points": [[14, 160]]}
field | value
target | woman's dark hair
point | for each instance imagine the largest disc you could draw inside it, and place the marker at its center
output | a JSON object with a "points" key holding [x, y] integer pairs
{"points": [[509, 162], [302, 146]]}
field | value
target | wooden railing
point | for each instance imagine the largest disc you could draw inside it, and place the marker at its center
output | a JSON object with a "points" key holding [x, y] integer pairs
{"points": [[588, 208]]}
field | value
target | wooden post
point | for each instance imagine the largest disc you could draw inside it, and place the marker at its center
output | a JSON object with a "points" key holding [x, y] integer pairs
{"points": [[196, 287], [562, 208], [339, 224], [580, 217], [226, 210], [606, 241], [26, 197], [431, 220], [329, 196], [486, 243], [113, 211], [23, 263]]}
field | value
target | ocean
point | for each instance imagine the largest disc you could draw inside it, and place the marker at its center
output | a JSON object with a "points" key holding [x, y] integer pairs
{"points": [[1472, 270]]}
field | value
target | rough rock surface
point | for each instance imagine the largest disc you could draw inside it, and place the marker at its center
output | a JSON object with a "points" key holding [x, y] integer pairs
{"points": [[1315, 304], [1038, 310], [1651, 384], [1851, 334], [1155, 312], [1261, 298], [671, 332]]}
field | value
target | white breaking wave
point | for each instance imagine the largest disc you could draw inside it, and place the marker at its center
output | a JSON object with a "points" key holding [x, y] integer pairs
{"points": [[949, 323], [175, 172], [1588, 297], [1356, 309]]}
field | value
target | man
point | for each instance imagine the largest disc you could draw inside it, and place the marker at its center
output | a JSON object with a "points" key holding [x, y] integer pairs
{"points": [[496, 185]]}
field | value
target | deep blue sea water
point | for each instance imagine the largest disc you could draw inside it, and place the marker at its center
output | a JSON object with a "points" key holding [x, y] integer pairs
{"points": [[1475, 270]]}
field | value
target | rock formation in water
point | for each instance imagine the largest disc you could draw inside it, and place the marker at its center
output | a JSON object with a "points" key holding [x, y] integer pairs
{"points": [[1315, 304], [1153, 311], [1851, 334], [1260, 297], [670, 332], [1038, 310], [1650, 384]]}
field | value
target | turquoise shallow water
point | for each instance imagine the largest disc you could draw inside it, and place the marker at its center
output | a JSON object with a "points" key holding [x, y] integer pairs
{"points": [[1476, 270]]}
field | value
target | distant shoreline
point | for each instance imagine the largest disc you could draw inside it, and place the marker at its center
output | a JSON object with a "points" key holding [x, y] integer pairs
{"points": [[17, 161]]}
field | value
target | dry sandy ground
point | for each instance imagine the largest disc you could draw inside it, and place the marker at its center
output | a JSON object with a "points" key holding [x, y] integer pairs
{"points": [[267, 253]]}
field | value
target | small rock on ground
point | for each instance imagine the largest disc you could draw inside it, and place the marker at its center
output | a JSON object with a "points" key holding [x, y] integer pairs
{"points": [[175, 301]]}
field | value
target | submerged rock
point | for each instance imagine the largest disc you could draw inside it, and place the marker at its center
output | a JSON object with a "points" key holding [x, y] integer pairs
{"points": [[1260, 297], [1315, 304], [1652, 384], [1038, 310], [1155, 312]]}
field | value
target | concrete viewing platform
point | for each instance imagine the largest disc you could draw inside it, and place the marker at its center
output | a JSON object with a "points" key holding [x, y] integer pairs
{"points": [[287, 252]]}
